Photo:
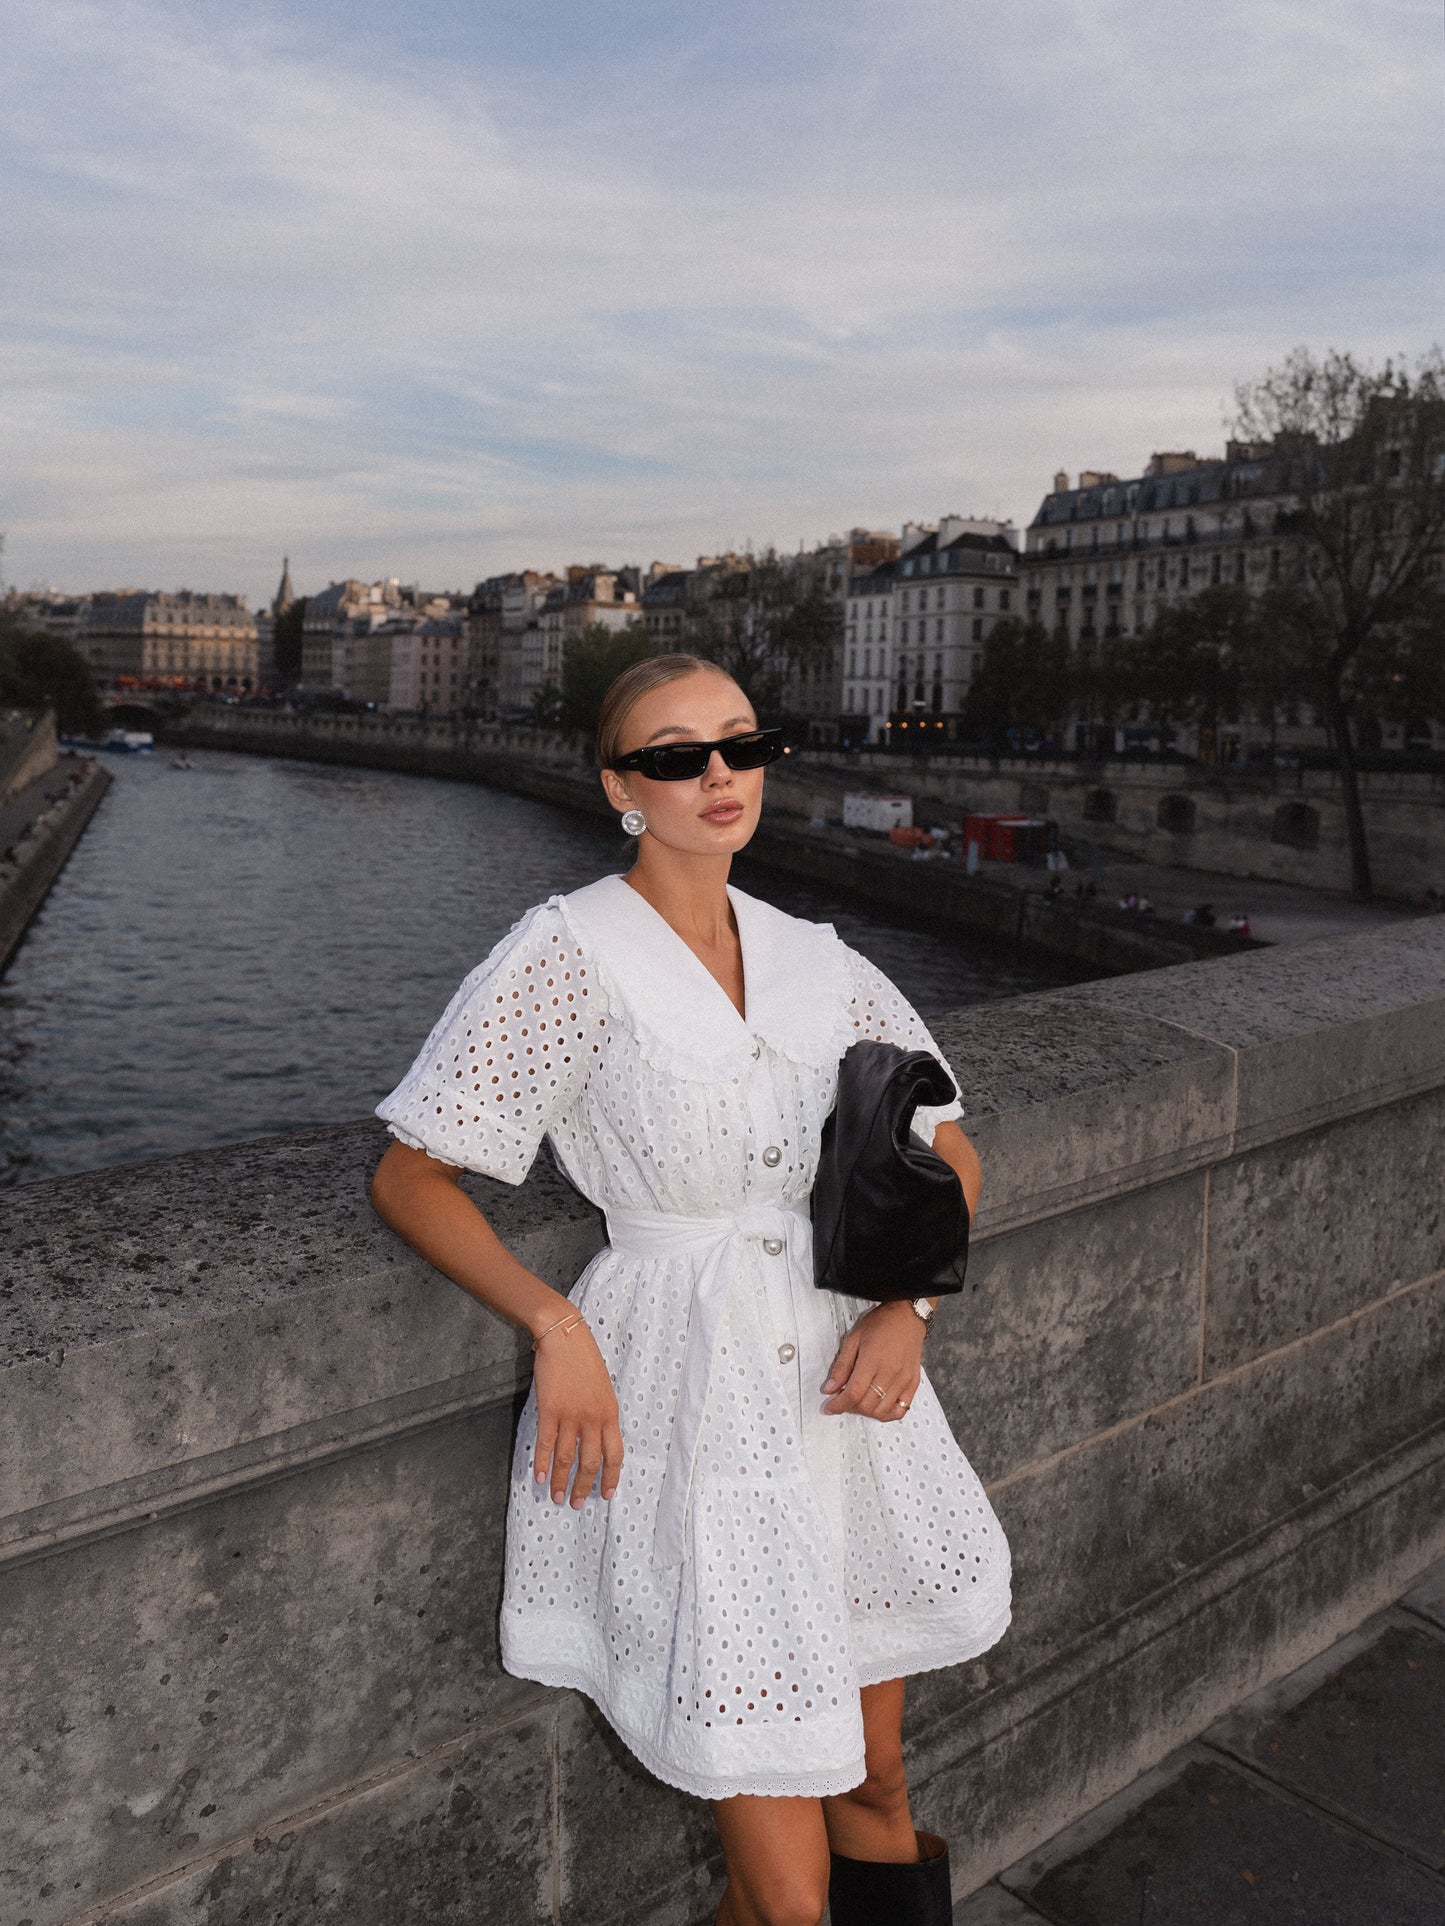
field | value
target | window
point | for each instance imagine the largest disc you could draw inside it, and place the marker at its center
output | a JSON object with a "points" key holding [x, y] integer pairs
{"points": [[1163, 580], [1239, 566], [1003, 599], [938, 630], [978, 598], [978, 628], [1216, 567], [1274, 565]]}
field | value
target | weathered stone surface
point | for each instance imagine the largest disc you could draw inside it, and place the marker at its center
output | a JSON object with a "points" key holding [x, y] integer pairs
{"points": [[1381, 998], [993, 1906], [143, 1247], [457, 1840], [1070, 1326], [629, 1847], [1127, 1514], [216, 1329], [170, 1689], [1001, 1769], [1367, 1742], [1307, 1231], [1428, 1597]]}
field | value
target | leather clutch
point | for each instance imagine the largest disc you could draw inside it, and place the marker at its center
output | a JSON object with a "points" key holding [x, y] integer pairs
{"points": [[889, 1216]]}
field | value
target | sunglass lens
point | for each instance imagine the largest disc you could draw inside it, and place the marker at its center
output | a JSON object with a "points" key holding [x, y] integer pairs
{"points": [[750, 752], [676, 762]]}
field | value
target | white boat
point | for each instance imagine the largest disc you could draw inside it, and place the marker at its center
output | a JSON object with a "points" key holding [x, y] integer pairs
{"points": [[129, 742]]}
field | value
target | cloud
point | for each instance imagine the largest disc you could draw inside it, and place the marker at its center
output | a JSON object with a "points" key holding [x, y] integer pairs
{"points": [[660, 280]]}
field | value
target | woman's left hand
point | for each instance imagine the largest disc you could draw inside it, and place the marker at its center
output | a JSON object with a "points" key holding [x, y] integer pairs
{"points": [[879, 1364]]}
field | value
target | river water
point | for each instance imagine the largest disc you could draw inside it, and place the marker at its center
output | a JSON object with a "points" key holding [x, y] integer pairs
{"points": [[255, 946]]}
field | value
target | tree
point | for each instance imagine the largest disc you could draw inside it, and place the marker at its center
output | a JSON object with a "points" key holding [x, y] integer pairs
{"points": [[592, 661], [1196, 658], [1361, 453], [1026, 680], [763, 623], [288, 642], [42, 672]]}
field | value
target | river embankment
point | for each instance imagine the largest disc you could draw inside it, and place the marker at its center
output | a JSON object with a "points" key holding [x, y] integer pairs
{"points": [[792, 840], [46, 800]]}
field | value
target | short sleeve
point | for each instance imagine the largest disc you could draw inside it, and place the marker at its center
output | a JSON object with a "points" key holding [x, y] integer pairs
{"points": [[878, 1009], [509, 1056]]}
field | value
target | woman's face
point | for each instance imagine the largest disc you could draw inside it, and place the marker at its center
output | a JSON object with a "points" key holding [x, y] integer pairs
{"points": [[712, 814]]}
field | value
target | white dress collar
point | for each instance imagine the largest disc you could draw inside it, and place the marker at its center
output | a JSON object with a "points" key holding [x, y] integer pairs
{"points": [[795, 978]]}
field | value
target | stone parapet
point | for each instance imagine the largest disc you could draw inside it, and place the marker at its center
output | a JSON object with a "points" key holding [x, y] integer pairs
{"points": [[253, 1460]]}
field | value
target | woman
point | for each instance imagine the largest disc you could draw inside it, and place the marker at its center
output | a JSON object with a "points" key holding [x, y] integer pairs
{"points": [[786, 1526]]}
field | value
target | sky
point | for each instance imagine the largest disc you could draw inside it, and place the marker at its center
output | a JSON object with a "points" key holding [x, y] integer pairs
{"points": [[443, 289]]}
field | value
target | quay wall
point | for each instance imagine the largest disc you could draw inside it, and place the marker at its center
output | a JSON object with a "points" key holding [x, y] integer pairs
{"points": [[1290, 829], [253, 1457], [43, 848], [795, 836]]}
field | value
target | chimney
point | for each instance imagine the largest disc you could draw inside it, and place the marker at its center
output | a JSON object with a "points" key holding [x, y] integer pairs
{"points": [[1061, 481]]}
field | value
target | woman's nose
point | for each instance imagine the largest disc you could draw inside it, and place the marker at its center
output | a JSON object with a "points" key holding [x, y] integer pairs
{"points": [[717, 770]]}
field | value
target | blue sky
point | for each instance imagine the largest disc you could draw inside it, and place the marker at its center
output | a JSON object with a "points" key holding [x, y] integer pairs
{"points": [[442, 289]]}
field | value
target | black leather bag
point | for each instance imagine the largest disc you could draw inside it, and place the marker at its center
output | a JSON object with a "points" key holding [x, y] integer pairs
{"points": [[889, 1217]]}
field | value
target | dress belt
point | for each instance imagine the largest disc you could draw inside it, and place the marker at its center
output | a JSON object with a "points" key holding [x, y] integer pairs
{"points": [[716, 1245]]}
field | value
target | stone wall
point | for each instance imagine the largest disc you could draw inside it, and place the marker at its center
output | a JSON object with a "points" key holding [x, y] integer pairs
{"points": [[253, 1454], [1290, 829]]}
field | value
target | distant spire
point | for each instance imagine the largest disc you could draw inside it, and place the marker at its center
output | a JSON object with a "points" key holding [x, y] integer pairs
{"points": [[285, 595]]}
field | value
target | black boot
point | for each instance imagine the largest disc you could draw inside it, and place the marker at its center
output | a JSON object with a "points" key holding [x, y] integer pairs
{"points": [[864, 1892]]}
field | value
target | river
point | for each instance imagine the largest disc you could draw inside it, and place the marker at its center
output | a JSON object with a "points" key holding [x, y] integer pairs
{"points": [[255, 946]]}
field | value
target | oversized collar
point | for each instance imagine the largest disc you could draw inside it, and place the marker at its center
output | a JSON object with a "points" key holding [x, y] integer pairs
{"points": [[795, 979]]}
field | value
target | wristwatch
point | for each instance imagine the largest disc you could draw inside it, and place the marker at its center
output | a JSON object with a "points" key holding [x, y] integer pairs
{"points": [[925, 1310]]}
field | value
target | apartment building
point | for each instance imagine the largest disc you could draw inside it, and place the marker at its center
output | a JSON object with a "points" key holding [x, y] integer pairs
{"points": [[1103, 556], [914, 628], [429, 664], [154, 636]]}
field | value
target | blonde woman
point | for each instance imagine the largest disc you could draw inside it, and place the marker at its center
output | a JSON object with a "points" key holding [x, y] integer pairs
{"points": [[738, 1519]]}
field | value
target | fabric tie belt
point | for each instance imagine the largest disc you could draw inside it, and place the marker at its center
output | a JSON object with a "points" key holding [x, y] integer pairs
{"points": [[717, 1246]]}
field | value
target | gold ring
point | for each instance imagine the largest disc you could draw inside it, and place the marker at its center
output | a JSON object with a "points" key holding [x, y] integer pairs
{"points": [[879, 1389], [902, 1401]]}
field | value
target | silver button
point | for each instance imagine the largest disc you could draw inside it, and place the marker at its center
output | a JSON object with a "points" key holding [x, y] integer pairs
{"points": [[786, 1353], [772, 1155], [757, 1051], [772, 1245]]}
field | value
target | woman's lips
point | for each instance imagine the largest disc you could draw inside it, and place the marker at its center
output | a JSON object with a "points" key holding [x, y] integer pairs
{"points": [[727, 812]]}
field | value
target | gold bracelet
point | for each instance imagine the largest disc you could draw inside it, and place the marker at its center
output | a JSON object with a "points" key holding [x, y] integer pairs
{"points": [[567, 1325]]}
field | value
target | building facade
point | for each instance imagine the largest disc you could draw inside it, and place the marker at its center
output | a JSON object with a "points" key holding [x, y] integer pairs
{"points": [[1103, 557], [170, 639]]}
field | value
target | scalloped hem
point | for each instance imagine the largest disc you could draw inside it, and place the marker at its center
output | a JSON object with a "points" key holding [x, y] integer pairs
{"points": [[758, 1785], [907, 1659]]}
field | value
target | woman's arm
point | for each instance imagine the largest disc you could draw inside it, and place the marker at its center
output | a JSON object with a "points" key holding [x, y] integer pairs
{"points": [[884, 1349], [420, 1198]]}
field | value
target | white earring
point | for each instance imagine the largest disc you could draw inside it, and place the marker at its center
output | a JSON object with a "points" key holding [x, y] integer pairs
{"points": [[633, 822]]}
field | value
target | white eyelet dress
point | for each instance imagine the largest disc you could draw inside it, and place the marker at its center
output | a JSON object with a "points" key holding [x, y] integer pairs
{"points": [[761, 1561]]}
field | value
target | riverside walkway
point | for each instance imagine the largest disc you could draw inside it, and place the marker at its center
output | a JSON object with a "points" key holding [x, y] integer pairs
{"points": [[1320, 1801]]}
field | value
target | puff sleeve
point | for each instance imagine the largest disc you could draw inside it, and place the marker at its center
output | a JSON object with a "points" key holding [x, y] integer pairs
{"points": [[510, 1055], [879, 1010]]}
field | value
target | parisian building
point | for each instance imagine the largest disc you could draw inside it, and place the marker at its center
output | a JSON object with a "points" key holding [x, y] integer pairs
{"points": [[428, 661], [1102, 557], [157, 637], [914, 630]]}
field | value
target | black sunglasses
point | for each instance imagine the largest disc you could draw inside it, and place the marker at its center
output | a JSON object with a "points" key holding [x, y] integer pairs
{"points": [[682, 761]]}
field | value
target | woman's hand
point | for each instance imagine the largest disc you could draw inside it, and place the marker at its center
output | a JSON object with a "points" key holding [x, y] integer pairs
{"points": [[576, 1415], [879, 1364]]}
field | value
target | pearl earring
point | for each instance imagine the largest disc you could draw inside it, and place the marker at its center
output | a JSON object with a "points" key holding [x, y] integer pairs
{"points": [[633, 822]]}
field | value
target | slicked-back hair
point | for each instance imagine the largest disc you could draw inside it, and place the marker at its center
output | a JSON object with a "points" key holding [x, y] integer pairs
{"points": [[627, 689]]}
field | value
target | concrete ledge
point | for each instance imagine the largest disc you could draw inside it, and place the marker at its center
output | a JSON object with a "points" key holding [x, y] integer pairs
{"points": [[252, 1469]]}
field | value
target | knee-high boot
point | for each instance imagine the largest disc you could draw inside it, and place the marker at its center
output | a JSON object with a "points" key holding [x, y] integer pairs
{"points": [[865, 1892]]}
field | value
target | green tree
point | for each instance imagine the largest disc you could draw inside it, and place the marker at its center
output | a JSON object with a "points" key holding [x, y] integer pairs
{"points": [[289, 637], [1361, 453], [763, 623], [1026, 680], [592, 661], [42, 672], [1196, 659]]}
